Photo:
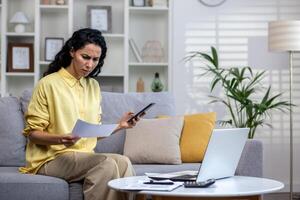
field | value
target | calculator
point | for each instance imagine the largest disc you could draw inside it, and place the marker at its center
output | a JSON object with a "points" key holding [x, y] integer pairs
{"points": [[194, 184]]}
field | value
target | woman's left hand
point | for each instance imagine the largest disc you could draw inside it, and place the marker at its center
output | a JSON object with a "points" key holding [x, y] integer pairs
{"points": [[123, 123]]}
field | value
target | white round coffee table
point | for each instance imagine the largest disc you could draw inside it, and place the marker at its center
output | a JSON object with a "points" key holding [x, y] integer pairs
{"points": [[237, 187]]}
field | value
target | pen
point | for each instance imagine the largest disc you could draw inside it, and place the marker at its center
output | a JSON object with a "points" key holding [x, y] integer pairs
{"points": [[158, 183]]}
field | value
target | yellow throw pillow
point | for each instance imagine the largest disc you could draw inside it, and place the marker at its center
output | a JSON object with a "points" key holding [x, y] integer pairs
{"points": [[195, 136]]}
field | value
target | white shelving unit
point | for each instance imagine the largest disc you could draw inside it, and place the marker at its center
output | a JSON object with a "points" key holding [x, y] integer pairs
{"points": [[120, 71], [51, 21], [146, 25], [15, 82]]}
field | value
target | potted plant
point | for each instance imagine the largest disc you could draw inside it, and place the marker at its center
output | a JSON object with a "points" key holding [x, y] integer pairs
{"points": [[240, 86]]}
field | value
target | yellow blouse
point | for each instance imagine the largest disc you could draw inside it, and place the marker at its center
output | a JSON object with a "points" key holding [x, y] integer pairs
{"points": [[58, 100]]}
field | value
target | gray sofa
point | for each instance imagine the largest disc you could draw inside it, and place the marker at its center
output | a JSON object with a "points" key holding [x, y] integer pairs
{"points": [[14, 185]]}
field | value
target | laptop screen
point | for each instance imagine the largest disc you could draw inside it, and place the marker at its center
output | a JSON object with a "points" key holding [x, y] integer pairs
{"points": [[223, 153]]}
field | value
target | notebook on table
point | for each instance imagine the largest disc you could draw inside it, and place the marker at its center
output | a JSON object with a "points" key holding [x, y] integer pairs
{"points": [[221, 157]]}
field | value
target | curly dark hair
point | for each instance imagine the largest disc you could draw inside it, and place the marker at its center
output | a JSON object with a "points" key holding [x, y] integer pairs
{"points": [[79, 39]]}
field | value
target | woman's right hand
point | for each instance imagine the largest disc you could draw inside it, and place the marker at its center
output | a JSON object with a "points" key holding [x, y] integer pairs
{"points": [[68, 140], [44, 138]]}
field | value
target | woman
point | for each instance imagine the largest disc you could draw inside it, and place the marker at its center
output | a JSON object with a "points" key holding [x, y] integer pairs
{"points": [[67, 93]]}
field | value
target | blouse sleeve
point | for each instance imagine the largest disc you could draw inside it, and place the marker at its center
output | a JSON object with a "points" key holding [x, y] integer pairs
{"points": [[100, 108], [37, 116]]}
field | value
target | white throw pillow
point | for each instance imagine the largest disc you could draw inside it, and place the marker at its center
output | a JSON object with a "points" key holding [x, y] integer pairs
{"points": [[154, 141]]}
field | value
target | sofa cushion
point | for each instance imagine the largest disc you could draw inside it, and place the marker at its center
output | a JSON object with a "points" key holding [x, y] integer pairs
{"points": [[114, 105], [14, 185], [12, 143], [154, 141], [195, 136]]}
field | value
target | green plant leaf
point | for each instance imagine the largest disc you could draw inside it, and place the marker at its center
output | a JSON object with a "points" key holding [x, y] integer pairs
{"points": [[214, 83], [215, 57]]}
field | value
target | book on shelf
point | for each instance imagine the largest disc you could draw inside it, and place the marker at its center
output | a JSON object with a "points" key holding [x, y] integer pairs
{"points": [[135, 50]]}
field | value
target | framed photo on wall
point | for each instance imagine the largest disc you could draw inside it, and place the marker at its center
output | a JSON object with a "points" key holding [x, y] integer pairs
{"points": [[52, 46], [99, 17], [20, 57]]}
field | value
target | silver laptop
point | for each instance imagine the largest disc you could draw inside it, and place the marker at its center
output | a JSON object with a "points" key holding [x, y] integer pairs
{"points": [[223, 153], [221, 157]]}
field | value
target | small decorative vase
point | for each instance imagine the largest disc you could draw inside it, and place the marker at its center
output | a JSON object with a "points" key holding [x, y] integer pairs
{"points": [[150, 3], [46, 2], [157, 85], [140, 86]]}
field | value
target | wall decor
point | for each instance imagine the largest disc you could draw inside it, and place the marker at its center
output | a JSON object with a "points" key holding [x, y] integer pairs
{"points": [[139, 3], [52, 46], [99, 17], [158, 3], [19, 19], [152, 51], [212, 3], [20, 57]]}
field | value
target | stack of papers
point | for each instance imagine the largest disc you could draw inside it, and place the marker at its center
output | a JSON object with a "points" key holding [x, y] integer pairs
{"points": [[140, 185]]}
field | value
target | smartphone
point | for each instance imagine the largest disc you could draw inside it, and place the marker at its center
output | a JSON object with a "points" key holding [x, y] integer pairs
{"points": [[140, 112], [164, 182]]}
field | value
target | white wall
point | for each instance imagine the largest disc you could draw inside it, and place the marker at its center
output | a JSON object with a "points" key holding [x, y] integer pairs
{"points": [[238, 29]]}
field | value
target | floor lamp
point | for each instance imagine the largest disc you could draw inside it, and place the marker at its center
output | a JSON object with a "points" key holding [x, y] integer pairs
{"points": [[285, 36]]}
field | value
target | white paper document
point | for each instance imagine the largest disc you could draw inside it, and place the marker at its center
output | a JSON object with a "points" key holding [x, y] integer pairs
{"points": [[140, 185], [85, 129]]}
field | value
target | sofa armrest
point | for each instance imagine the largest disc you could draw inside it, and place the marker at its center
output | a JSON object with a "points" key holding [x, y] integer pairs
{"points": [[251, 162]]}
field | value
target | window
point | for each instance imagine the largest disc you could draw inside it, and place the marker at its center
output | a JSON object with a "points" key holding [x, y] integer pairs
{"points": [[234, 30]]}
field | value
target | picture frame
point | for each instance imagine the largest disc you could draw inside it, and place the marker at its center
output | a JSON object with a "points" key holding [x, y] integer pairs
{"points": [[138, 3], [52, 46], [20, 57], [100, 18]]}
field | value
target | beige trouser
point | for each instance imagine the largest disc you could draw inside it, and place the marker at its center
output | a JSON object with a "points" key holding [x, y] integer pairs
{"points": [[95, 169]]}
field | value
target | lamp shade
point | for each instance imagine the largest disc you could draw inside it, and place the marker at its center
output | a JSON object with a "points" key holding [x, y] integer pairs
{"points": [[284, 35], [19, 18]]}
